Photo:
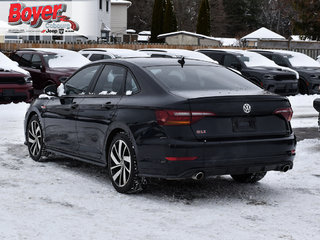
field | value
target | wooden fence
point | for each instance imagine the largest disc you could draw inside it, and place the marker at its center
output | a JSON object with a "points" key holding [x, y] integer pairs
{"points": [[312, 49]]}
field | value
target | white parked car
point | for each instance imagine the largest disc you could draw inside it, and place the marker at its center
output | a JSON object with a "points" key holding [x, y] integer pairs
{"points": [[96, 54], [176, 53]]}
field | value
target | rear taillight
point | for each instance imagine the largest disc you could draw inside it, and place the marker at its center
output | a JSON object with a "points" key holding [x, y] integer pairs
{"points": [[285, 112], [176, 117]]}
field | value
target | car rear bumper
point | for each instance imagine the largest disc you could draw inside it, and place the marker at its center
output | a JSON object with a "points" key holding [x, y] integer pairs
{"points": [[16, 92], [216, 158], [286, 87]]}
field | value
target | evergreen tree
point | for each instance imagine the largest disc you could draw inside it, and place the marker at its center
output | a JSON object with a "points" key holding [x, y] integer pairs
{"points": [[203, 25], [307, 21], [243, 16], [157, 20], [170, 20]]}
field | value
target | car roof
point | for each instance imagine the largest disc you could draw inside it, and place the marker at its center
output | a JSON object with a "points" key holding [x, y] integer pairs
{"points": [[179, 53], [148, 62], [45, 50], [116, 52]]}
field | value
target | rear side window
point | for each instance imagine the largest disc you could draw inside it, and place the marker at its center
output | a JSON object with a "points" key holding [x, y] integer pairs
{"points": [[111, 81], [80, 82], [200, 78]]}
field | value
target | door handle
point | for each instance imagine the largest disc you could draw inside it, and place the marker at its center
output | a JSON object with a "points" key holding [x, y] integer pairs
{"points": [[106, 105], [74, 105]]}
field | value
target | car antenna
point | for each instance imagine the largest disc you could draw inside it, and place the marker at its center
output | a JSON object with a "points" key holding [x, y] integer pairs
{"points": [[182, 62]]}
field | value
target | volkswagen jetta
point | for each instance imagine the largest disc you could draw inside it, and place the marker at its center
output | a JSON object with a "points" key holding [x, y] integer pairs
{"points": [[163, 118]]}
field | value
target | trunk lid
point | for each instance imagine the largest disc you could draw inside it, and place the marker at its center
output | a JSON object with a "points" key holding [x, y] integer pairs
{"points": [[249, 116]]}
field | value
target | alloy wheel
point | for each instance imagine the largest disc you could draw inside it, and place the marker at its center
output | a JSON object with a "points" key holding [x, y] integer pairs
{"points": [[35, 138], [120, 164]]}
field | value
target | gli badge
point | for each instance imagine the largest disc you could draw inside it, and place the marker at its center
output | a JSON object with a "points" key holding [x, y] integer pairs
{"points": [[247, 108]]}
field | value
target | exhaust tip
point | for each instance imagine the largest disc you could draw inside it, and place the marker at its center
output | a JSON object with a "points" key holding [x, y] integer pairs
{"points": [[285, 168], [198, 176]]}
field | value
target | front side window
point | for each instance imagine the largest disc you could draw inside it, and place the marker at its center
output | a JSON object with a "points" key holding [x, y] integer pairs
{"points": [[96, 57], [36, 61], [80, 82], [111, 81], [25, 60], [230, 61]]}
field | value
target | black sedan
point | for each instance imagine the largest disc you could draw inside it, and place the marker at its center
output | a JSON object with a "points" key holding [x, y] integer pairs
{"points": [[163, 118]]}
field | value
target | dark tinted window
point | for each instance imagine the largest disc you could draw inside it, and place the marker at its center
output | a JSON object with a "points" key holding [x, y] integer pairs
{"points": [[80, 82], [200, 78], [158, 55], [215, 56], [111, 81], [230, 61], [106, 57], [279, 60], [15, 57], [131, 86], [25, 60], [85, 54], [96, 57], [36, 61]]}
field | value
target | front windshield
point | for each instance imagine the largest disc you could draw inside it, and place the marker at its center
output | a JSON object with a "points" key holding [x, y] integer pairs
{"points": [[65, 59], [251, 59], [301, 60], [200, 78]]}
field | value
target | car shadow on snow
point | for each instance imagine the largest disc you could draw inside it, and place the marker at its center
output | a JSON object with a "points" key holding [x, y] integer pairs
{"points": [[220, 188]]}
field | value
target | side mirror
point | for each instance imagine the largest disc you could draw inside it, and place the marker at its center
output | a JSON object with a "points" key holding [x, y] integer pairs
{"points": [[63, 79], [16, 63], [236, 66], [51, 90]]}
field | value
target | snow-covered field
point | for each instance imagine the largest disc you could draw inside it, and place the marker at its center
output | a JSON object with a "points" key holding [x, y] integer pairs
{"points": [[64, 199]]}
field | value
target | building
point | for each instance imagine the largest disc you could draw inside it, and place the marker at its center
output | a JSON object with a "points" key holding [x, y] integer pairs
{"points": [[252, 39], [189, 38], [86, 20], [119, 18]]}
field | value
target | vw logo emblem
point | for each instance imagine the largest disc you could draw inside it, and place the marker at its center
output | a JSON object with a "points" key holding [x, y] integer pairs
{"points": [[247, 108]]}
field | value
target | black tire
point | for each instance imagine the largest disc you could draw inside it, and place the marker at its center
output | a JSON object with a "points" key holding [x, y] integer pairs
{"points": [[249, 178], [35, 138], [122, 165]]}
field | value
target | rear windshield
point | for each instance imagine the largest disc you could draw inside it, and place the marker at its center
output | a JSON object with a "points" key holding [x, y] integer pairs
{"points": [[200, 78]]}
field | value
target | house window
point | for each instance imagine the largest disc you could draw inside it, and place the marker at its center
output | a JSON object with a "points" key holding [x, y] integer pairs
{"points": [[100, 4], [107, 7]]}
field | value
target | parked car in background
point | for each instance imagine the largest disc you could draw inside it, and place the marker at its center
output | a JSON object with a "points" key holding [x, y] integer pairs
{"points": [[258, 69], [163, 118], [316, 105], [176, 53], [15, 83], [96, 54], [48, 66], [307, 67]]}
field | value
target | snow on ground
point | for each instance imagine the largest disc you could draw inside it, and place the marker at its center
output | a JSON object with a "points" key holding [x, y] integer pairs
{"points": [[304, 115], [64, 199]]}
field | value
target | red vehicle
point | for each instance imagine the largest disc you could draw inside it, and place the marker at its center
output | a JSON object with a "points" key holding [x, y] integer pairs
{"points": [[15, 83], [48, 66]]}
